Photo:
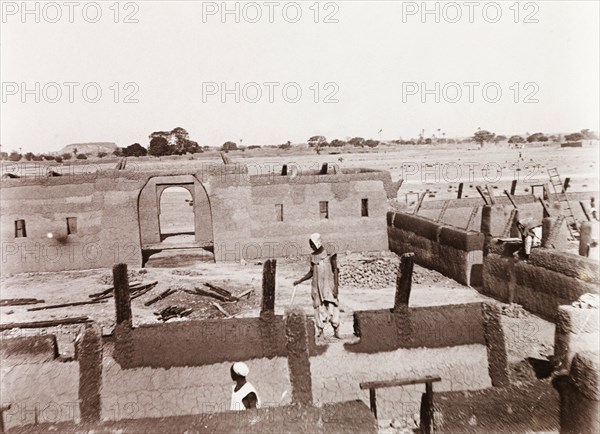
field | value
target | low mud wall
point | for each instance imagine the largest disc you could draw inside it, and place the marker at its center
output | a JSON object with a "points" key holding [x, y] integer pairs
{"points": [[435, 327], [576, 330], [203, 342], [541, 284], [454, 252], [580, 395]]}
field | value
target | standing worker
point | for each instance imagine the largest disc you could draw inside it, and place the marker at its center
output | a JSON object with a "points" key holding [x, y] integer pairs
{"points": [[324, 291], [243, 395]]}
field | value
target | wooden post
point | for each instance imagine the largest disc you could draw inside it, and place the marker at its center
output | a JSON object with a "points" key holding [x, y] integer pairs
{"points": [[373, 401], [88, 351], [585, 238], [268, 287], [490, 192], [427, 408], [122, 298], [419, 203], [298, 357], [566, 184], [404, 281], [3, 408], [545, 207], [513, 187], [460, 190], [480, 191], [585, 211]]}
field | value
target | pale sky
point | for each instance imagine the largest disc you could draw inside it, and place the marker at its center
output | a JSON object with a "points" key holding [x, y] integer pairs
{"points": [[369, 57]]}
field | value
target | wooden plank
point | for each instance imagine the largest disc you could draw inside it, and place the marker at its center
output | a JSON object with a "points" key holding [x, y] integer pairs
{"points": [[57, 306], [460, 190], [19, 301], [513, 187], [511, 198], [490, 192], [220, 309], [585, 211], [546, 210], [46, 323], [399, 382], [142, 290], [481, 193], [419, 203], [160, 296]]}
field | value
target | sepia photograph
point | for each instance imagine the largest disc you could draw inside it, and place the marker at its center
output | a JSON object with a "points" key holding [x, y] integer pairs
{"points": [[299, 217]]}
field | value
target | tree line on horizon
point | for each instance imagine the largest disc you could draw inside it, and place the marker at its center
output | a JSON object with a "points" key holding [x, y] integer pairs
{"points": [[177, 142]]}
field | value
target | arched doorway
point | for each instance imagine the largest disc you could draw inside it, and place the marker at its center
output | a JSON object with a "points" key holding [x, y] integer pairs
{"points": [[175, 221], [176, 215]]}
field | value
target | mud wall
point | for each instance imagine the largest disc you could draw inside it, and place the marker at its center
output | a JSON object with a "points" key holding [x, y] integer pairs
{"points": [[38, 386], [580, 395], [107, 226], [435, 327], [117, 214], [576, 330], [454, 252], [203, 342], [547, 280]]}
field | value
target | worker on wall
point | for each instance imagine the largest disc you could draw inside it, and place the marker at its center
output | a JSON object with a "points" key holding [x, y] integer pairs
{"points": [[243, 395], [324, 274]]}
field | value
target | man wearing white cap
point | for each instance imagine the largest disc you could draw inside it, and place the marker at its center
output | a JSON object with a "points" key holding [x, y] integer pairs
{"points": [[243, 395], [324, 289]]}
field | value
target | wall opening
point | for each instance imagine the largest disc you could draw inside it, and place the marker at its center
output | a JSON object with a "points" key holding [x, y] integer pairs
{"points": [[71, 225], [279, 212], [364, 208], [20, 231], [176, 215], [324, 209]]}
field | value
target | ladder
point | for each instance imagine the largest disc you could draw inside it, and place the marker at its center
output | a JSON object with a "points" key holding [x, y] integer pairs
{"points": [[560, 192]]}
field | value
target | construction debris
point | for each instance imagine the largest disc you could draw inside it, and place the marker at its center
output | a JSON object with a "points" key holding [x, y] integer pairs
{"points": [[162, 295], [19, 301], [221, 291], [220, 308], [173, 311], [57, 306], [43, 324]]}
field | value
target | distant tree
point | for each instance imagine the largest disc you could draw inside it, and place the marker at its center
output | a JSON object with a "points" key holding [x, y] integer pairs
{"points": [[81, 157], [229, 146], [500, 138], [15, 156], [575, 137], [589, 135], [58, 159], [357, 141], [66, 156], [285, 146], [48, 157], [28, 156], [159, 146], [337, 143], [317, 141], [254, 147], [372, 143], [537, 137], [428, 141], [118, 152], [38, 157], [101, 154], [483, 136], [3, 155], [135, 150], [516, 139], [75, 151]]}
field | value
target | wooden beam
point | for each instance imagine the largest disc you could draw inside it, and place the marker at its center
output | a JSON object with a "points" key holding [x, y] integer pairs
{"points": [[460, 190], [513, 187], [419, 203], [399, 382], [47, 323], [490, 192], [373, 402], [545, 207], [58, 306], [585, 211], [511, 198], [122, 296], [480, 191]]}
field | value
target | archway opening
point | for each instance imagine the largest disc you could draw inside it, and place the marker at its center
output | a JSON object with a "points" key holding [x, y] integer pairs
{"points": [[176, 216]]}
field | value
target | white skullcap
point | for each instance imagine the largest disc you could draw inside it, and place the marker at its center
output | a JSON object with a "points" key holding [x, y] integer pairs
{"points": [[241, 369], [316, 239]]}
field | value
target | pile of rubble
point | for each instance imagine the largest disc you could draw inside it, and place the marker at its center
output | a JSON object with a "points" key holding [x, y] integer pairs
{"points": [[369, 273]]}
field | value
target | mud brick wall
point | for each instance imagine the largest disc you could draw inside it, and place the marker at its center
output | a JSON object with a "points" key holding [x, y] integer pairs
{"points": [[117, 215], [498, 409], [435, 327], [28, 349], [454, 252], [576, 330], [46, 392], [580, 395], [547, 280], [203, 342]]}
